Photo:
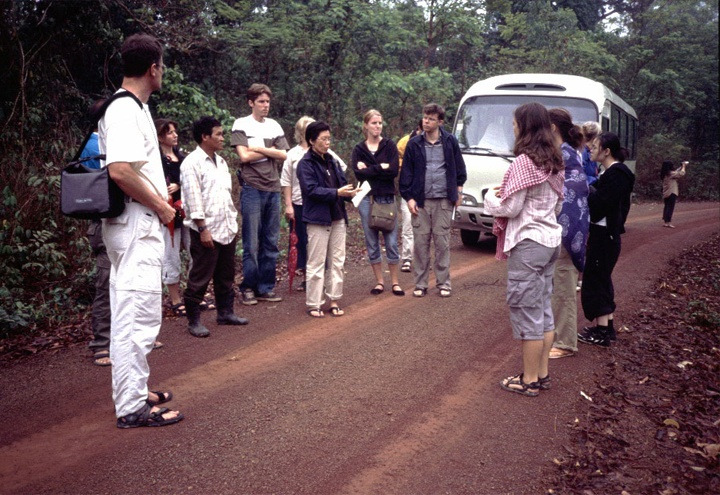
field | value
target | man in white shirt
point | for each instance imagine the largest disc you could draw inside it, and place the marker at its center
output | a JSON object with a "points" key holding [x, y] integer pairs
{"points": [[261, 145], [134, 240], [212, 219]]}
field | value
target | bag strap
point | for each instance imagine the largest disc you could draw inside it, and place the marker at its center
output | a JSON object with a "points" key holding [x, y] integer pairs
{"points": [[100, 114]]}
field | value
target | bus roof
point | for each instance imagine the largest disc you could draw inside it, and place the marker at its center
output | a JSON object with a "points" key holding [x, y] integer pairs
{"points": [[548, 85]]}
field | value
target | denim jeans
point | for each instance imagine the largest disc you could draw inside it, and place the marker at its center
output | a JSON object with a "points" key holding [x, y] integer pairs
{"points": [[372, 237], [260, 231]]}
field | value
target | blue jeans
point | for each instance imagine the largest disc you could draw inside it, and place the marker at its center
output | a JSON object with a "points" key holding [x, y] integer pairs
{"points": [[372, 237], [260, 231]]}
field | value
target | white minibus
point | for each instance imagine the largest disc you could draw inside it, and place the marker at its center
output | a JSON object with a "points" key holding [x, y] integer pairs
{"points": [[483, 127]]}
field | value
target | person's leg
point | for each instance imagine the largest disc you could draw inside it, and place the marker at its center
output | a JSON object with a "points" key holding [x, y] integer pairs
{"points": [[223, 281], [203, 266], [441, 224], [100, 321], [171, 264], [301, 232], [336, 256], [421, 248], [669, 208], [407, 232], [318, 236], [372, 237], [268, 236], [548, 318], [564, 303], [135, 249], [250, 207]]}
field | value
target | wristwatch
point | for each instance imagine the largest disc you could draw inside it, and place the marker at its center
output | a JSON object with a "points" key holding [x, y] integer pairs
{"points": [[202, 229]]}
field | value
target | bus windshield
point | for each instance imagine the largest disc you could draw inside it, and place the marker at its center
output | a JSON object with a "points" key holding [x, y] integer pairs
{"points": [[484, 123]]}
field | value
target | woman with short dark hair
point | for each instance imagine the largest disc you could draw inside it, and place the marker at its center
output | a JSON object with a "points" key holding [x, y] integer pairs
{"points": [[324, 192]]}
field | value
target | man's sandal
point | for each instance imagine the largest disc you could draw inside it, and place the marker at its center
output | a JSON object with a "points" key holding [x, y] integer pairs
{"points": [[145, 416], [545, 383], [517, 385], [445, 292], [102, 358], [420, 292], [163, 397], [557, 353]]}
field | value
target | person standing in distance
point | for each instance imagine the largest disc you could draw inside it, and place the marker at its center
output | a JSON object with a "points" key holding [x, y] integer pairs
{"points": [[134, 240], [261, 145], [431, 181]]}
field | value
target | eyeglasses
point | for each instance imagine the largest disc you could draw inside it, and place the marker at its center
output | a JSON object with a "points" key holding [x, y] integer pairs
{"points": [[325, 139]]}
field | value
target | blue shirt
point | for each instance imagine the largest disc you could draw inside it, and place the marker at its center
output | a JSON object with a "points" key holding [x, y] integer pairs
{"points": [[91, 149]]}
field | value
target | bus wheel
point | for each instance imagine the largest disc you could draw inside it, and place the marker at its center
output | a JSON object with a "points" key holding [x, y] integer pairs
{"points": [[469, 237]]}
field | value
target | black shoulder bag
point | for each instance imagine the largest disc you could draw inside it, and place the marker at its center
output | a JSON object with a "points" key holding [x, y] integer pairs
{"points": [[89, 193]]}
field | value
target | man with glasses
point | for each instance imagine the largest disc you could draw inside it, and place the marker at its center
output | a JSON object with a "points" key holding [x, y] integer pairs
{"points": [[431, 181]]}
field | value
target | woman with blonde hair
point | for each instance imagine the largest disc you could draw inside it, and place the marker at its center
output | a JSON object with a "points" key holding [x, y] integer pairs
{"points": [[376, 160], [590, 130]]}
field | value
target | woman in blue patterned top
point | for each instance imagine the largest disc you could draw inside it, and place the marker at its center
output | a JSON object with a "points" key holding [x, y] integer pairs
{"points": [[575, 220]]}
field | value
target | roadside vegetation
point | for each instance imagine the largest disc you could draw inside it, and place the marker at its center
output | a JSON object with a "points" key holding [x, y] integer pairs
{"points": [[330, 59]]}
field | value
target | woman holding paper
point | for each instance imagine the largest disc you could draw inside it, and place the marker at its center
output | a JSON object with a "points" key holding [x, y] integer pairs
{"points": [[376, 161]]}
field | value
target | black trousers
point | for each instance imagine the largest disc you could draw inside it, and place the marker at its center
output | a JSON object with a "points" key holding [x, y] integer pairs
{"points": [[597, 294], [669, 208], [217, 264]]}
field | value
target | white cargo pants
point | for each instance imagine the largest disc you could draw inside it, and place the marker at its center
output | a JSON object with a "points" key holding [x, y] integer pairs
{"points": [[135, 246]]}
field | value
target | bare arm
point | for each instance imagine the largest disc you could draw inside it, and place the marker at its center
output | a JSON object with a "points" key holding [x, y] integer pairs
{"points": [[131, 184]]}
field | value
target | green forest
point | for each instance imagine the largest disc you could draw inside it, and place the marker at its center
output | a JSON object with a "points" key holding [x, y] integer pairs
{"points": [[333, 60]]}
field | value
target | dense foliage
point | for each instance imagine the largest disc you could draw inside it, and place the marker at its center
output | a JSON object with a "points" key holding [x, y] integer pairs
{"points": [[332, 59]]}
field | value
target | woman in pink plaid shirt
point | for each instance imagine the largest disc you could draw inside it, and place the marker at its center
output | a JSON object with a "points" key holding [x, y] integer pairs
{"points": [[525, 207]]}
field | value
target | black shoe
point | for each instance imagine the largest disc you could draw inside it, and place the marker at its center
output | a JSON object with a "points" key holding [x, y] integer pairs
{"points": [[198, 330], [231, 319], [248, 297], [269, 297], [595, 336]]}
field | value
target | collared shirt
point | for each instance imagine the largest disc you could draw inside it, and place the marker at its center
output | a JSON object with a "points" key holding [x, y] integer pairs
{"points": [[531, 213], [207, 195], [435, 171]]}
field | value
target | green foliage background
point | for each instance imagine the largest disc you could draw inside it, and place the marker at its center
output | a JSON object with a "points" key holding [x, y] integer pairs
{"points": [[332, 59]]}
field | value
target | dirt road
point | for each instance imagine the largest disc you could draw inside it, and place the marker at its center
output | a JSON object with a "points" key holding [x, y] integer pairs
{"points": [[400, 396]]}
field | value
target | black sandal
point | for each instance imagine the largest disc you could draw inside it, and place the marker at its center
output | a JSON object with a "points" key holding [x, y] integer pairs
{"points": [[526, 389], [545, 383], [378, 289], [163, 397], [398, 291], [336, 311], [318, 312], [178, 309], [145, 417], [420, 292]]}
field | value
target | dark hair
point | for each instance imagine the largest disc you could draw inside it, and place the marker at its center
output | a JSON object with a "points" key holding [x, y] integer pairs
{"points": [[256, 89], [434, 109], [313, 130], [571, 133], [535, 137], [417, 130], [94, 110], [139, 52], [204, 127], [666, 168], [610, 141], [162, 126]]}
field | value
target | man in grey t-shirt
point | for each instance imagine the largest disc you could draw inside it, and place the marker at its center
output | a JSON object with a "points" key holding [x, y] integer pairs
{"points": [[261, 145]]}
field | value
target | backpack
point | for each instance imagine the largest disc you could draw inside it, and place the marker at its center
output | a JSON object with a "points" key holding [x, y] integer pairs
{"points": [[89, 193]]}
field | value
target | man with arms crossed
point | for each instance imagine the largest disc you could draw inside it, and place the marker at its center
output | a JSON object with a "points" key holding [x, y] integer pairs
{"points": [[134, 240], [261, 145], [212, 219], [431, 181]]}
